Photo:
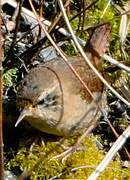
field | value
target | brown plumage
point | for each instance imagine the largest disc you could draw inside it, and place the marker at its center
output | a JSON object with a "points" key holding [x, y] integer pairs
{"points": [[53, 100]]}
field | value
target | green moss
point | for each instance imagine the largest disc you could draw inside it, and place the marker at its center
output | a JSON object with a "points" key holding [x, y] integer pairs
{"points": [[9, 77], [68, 48], [38, 161]]}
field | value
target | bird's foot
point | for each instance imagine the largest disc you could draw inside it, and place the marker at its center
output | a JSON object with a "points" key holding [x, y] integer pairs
{"points": [[75, 147], [69, 151]]}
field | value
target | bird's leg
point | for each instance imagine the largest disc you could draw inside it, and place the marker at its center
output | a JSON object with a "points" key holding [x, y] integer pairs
{"points": [[75, 147]]}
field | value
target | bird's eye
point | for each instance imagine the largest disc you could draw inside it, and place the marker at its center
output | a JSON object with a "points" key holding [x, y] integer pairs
{"points": [[49, 100], [41, 102]]}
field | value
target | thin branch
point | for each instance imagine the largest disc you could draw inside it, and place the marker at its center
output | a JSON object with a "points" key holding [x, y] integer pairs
{"points": [[117, 135], [60, 52], [86, 58], [1, 132], [111, 153], [17, 19], [118, 64]]}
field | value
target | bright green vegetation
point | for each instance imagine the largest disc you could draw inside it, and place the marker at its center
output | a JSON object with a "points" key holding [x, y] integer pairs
{"points": [[38, 160]]}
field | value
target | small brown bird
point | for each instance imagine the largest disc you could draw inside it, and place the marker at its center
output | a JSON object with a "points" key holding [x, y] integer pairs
{"points": [[53, 100]]}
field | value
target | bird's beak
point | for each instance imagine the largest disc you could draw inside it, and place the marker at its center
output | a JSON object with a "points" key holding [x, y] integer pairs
{"points": [[25, 112]]}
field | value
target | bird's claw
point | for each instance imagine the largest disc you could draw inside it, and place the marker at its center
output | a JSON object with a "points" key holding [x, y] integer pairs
{"points": [[66, 153]]}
